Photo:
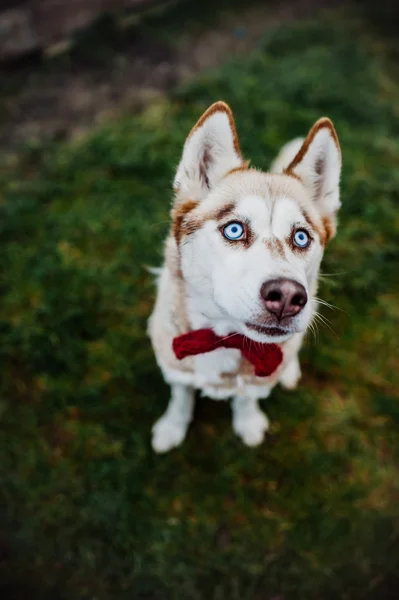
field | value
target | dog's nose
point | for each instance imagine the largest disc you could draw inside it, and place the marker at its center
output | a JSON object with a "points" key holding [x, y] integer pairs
{"points": [[283, 297]]}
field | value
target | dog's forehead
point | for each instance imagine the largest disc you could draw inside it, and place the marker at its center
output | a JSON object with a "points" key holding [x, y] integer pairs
{"points": [[264, 209], [256, 194]]}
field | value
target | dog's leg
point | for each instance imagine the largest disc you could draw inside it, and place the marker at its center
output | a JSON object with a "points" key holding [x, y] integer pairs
{"points": [[249, 422], [170, 430], [291, 375]]}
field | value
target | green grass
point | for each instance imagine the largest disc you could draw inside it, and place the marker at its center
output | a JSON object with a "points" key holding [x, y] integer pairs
{"points": [[90, 511]]}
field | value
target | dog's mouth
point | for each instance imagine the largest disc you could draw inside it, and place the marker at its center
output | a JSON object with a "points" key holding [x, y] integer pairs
{"points": [[269, 331]]}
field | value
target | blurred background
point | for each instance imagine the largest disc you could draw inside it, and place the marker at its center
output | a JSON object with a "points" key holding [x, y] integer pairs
{"points": [[96, 99]]}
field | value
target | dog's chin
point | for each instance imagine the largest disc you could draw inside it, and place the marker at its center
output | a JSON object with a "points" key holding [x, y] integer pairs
{"points": [[267, 335]]}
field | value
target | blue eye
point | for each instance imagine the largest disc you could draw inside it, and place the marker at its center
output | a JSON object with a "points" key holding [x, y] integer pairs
{"points": [[233, 231], [301, 238]]}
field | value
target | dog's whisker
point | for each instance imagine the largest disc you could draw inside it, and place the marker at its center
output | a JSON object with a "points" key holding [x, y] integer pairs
{"points": [[338, 273], [327, 304], [226, 337], [322, 317], [326, 322], [157, 224], [315, 325], [313, 330]]}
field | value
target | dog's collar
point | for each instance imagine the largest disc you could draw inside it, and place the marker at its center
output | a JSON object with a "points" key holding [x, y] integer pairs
{"points": [[266, 358]]}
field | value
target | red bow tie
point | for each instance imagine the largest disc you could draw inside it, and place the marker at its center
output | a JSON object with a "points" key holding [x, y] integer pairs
{"points": [[265, 357]]}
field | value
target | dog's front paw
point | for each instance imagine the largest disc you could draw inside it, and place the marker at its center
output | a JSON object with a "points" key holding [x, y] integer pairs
{"points": [[167, 434], [291, 375], [251, 428]]}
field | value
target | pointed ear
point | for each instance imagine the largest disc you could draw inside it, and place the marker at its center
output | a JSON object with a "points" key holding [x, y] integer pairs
{"points": [[318, 165], [210, 152]]}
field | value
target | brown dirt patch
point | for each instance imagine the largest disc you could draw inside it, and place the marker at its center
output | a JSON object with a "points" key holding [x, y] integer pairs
{"points": [[69, 101]]}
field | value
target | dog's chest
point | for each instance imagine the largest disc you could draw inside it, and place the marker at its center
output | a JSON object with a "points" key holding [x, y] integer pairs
{"points": [[216, 366], [223, 373]]}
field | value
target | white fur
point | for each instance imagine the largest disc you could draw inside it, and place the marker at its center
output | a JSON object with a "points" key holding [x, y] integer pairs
{"points": [[291, 375], [249, 422], [170, 430], [222, 282]]}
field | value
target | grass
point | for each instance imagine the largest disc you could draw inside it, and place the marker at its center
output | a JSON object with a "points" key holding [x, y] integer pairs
{"points": [[89, 510]]}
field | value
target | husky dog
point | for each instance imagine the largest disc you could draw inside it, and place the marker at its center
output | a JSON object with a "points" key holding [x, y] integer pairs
{"points": [[241, 264]]}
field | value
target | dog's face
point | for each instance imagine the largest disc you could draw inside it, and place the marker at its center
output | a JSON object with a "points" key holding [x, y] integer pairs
{"points": [[250, 243]]}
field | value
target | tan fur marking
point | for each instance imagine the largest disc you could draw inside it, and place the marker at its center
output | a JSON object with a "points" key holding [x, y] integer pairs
{"points": [[179, 214], [269, 245], [293, 175], [275, 246], [315, 227], [219, 107], [329, 230], [221, 213], [310, 221], [320, 124], [279, 246], [243, 167], [249, 236]]}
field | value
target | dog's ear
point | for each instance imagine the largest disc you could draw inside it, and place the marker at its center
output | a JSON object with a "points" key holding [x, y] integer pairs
{"points": [[210, 152], [318, 165]]}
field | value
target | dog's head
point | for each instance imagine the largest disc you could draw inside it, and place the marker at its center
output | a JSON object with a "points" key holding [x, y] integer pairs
{"points": [[251, 242]]}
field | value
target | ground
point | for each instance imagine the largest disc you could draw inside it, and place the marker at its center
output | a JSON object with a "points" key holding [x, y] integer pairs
{"points": [[123, 63], [89, 510]]}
